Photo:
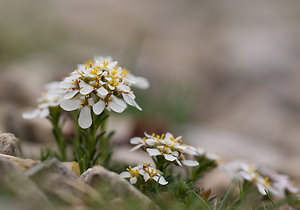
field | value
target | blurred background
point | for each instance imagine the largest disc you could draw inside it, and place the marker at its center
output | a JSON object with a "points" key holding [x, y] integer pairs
{"points": [[224, 74]]}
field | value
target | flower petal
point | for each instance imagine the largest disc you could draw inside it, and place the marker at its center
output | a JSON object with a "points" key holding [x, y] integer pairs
{"points": [[168, 135], [261, 189], [169, 157], [190, 163], [147, 135], [125, 174], [111, 87], [31, 115], [99, 107], [123, 87], [102, 91], [117, 107], [135, 147], [160, 179], [212, 156], [141, 82], [137, 106], [85, 118], [85, 88], [70, 105], [150, 142], [146, 177], [153, 152], [136, 140], [112, 64], [71, 94], [66, 84], [44, 113], [133, 180], [178, 162], [129, 100]]}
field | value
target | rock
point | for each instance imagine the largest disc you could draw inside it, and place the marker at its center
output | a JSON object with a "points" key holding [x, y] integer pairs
{"points": [[119, 187], [9, 144], [23, 164], [73, 166], [61, 184], [17, 189]]}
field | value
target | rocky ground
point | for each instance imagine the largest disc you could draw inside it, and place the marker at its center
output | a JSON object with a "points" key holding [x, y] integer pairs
{"points": [[31, 184]]}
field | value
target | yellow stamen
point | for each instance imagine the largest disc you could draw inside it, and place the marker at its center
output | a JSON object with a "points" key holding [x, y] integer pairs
{"points": [[267, 182]]}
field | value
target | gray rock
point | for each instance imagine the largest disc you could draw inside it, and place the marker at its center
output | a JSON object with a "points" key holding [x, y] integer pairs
{"points": [[119, 187], [61, 184], [9, 144], [23, 164], [17, 190]]}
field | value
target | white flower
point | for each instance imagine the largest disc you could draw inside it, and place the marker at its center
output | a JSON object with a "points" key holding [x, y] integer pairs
{"points": [[281, 183], [102, 81], [139, 142], [148, 173], [132, 174], [212, 156], [200, 151], [50, 98], [84, 104], [166, 152], [243, 171], [146, 142], [172, 149], [139, 82]]}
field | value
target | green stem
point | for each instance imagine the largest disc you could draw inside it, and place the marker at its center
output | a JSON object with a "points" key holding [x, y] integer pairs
{"points": [[61, 143], [85, 146]]}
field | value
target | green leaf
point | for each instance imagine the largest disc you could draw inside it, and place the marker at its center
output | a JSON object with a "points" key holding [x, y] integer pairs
{"points": [[99, 137], [203, 203], [270, 198], [225, 198]]}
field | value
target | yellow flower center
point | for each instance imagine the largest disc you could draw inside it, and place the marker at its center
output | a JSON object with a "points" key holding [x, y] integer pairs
{"points": [[105, 64], [94, 71], [133, 173], [88, 64], [254, 179], [114, 82], [125, 72], [152, 173], [267, 182]]}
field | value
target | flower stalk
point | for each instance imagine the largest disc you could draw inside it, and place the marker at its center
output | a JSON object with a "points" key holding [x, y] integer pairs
{"points": [[54, 117]]}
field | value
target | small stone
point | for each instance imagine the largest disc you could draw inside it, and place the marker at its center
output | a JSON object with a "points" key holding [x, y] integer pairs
{"points": [[9, 144], [60, 183], [121, 188], [14, 182], [23, 164]]}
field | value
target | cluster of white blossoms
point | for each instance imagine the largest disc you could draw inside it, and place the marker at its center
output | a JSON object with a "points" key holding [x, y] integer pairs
{"points": [[96, 85], [281, 183], [166, 145], [208, 155], [51, 97], [146, 172], [240, 170]]}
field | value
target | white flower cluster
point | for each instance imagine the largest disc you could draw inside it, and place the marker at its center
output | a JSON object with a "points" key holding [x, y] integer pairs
{"points": [[172, 149], [243, 171], [146, 171], [281, 183], [99, 84], [51, 97]]}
